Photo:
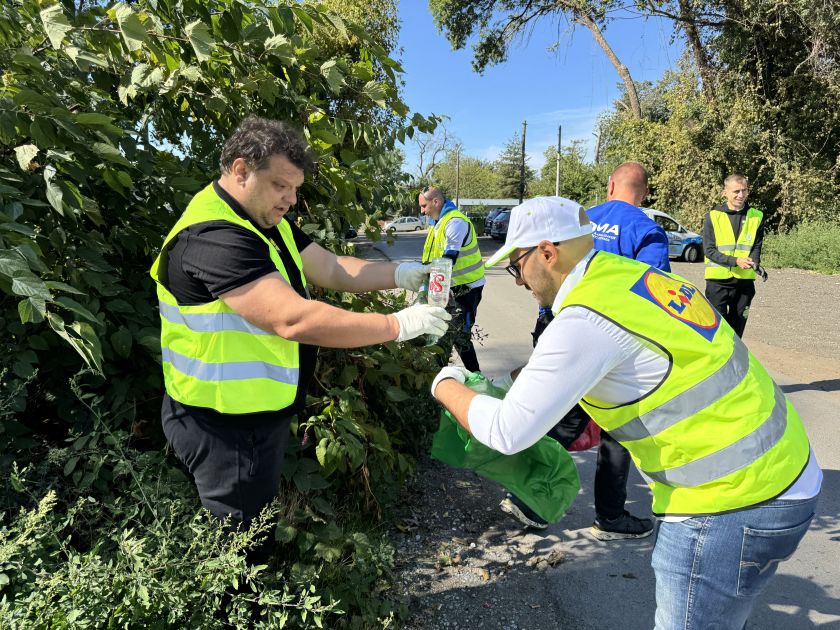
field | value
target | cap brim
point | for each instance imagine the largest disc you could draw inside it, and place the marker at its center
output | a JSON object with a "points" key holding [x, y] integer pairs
{"points": [[496, 258]]}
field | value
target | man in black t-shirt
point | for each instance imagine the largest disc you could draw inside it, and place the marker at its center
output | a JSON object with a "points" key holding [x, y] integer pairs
{"points": [[239, 332]]}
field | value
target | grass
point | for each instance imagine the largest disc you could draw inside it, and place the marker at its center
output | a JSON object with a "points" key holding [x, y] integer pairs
{"points": [[814, 246]]}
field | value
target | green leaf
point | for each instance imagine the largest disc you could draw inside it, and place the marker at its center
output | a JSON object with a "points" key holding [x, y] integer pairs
{"points": [[303, 17], [56, 24], [321, 451], [32, 310], [396, 394], [30, 285], [375, 92], [12, 264], [81, 338], [17, 227], [333, 74], [328, 552], [71, 464], [93, 119], [187, 184], [110, 152], [285, 533], [42, 132], [25, 153], [60, 286], [121, 341], [201, 39], [54, 194], [132, 29], [73, 305]]}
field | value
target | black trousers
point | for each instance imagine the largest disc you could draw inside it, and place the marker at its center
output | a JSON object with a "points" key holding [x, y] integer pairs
{"points": [[468, 304], [732, 299], [613, 466], [236, 468], [611, 470]]}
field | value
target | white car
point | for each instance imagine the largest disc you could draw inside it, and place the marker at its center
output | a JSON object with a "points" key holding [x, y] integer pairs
{"points": [[405, 224], [682, 243]]}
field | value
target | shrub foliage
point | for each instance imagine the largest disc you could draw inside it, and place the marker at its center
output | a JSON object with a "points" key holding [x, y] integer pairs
{"points": [[111, 117]]}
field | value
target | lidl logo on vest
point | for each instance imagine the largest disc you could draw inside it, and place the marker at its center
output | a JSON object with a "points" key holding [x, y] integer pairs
{"points": [[680, 300]]}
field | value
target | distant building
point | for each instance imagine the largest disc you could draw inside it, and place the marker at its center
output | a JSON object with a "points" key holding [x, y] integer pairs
{"points": [[468, 205]]}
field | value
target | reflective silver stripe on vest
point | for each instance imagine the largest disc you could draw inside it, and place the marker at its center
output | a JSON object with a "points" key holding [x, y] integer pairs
{"points": [[468, 269], [691, 401], [714, 264], [469, 252], [209, 322], [229, 371], [737, 455], [727, 248]]}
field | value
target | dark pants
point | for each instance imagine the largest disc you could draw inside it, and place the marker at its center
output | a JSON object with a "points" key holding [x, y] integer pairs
{"points": [[732, 300], [236, 468], [613, 465], [612, 468], [468, 304]]}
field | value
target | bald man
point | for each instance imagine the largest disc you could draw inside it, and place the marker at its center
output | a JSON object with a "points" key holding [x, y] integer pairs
{"points": [[620, 227], [453, 236]]}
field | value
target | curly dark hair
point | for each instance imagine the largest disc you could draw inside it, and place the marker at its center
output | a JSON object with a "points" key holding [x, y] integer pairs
{"points": [[257, 139]]}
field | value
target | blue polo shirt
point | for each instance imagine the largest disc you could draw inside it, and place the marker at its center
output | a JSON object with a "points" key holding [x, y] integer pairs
{"points": [[621, 228]]}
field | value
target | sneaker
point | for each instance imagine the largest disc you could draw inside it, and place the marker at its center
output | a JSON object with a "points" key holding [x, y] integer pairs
{"points": [[622, 527], [517, 509]]}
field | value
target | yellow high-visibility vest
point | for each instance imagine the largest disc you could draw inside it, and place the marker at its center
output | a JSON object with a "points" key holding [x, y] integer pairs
{"points": [[717, 434], [726, 243], [212, 356], [468, 267]]}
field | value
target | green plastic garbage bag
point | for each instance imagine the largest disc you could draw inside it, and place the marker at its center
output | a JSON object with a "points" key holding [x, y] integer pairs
{"points": [[544, 475]]}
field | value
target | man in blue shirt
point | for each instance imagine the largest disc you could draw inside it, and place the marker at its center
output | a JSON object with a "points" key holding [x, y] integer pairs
{"points": [[619, 227]]}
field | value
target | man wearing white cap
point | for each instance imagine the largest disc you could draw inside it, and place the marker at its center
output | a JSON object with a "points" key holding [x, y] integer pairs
{"points": [[733, 477]]}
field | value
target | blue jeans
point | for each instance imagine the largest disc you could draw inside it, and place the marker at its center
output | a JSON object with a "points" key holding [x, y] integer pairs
{"points": [[710, 569]]}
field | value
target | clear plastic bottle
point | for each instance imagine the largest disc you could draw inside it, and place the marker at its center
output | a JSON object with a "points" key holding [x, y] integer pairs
{"points": [[440, 281]]}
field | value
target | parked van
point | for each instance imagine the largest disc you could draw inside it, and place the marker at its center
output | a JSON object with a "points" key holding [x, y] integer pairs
{"points": [[682, 243]]}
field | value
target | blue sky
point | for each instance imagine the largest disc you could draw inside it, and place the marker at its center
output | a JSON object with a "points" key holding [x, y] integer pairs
{"points": [[569, 85]]}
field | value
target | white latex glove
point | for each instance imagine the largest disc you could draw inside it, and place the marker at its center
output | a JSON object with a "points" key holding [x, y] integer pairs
{"points": [[502, 382], [411, 275], [421, 319], [450, 371]]}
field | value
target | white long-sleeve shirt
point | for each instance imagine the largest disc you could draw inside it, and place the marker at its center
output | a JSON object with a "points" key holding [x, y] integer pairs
{"points": [[577, 349]]}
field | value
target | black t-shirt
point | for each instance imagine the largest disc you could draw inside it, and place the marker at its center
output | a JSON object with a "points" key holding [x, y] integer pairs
{"points": [[206, 260]]}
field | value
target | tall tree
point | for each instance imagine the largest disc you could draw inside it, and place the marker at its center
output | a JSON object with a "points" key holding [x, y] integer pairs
{"points": [[580, 180], [508, 169], [478, 179], [460, 19], [431, 147]]}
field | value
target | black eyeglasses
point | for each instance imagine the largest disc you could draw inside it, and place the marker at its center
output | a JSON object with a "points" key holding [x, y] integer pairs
{"points": [[513, 267]]}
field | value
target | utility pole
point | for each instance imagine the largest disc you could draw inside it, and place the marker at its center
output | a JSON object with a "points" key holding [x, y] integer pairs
{"points": [[557, 178], [457, 174], [522, 165], [597, 146]]}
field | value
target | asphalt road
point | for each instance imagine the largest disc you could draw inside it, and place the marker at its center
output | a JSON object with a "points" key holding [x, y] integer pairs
{"points": [[793, 330]]}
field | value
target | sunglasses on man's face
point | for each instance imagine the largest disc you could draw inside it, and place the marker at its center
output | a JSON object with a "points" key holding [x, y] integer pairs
{"points": [[513, 267]]}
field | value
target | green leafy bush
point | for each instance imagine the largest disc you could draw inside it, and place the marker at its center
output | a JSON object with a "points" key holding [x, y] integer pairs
{"points": [[111, 117], [812, 245]]}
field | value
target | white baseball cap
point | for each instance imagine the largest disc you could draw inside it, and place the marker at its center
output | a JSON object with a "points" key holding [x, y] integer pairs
{"points": [[540, 219]]}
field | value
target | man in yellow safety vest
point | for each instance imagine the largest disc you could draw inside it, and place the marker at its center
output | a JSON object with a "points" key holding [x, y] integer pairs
{"points": [[733, 477], [732, 238], [453, 236], [238, 328]]}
